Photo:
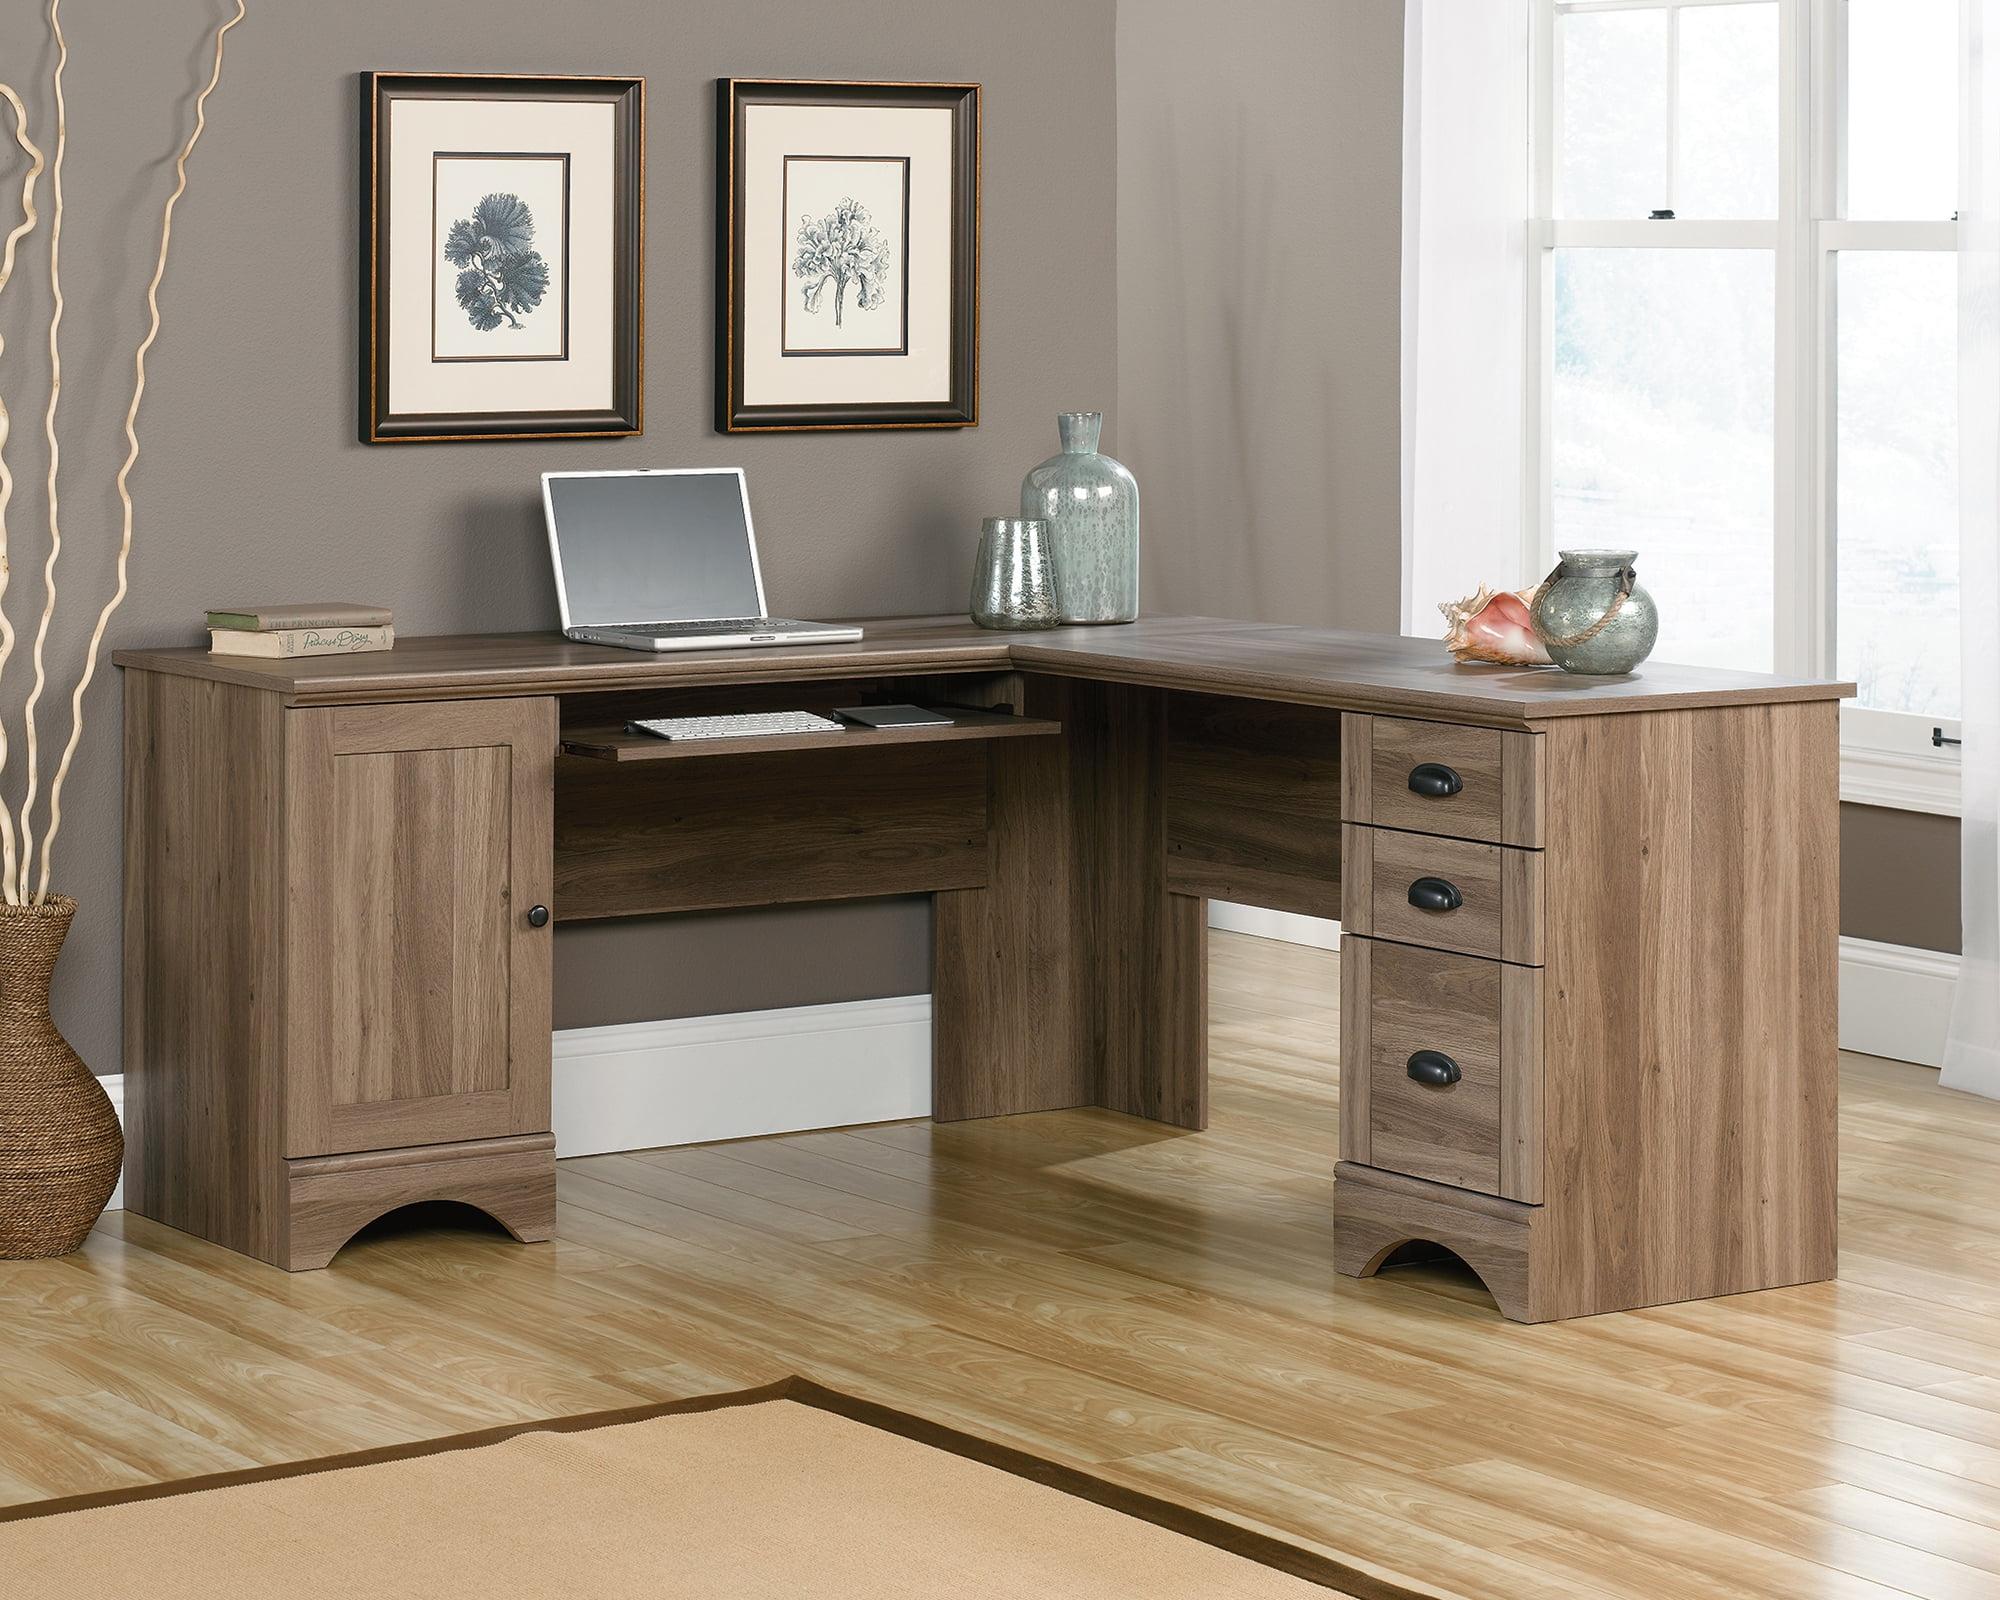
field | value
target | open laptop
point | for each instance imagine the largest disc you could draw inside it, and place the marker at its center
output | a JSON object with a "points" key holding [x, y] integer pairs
{"points": [[664, 559]]}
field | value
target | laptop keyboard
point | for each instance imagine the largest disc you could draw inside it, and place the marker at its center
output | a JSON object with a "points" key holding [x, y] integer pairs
{"points": [[714, 625]]}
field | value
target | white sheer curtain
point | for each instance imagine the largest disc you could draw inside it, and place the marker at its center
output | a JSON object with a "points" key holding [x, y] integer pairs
{"points": [[1465, 240], [1972, 1048]]}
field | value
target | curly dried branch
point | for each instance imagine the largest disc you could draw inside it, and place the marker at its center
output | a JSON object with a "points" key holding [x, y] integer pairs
{"points": [[131, 455], [55, 445], [9, 870], [28, 214]]}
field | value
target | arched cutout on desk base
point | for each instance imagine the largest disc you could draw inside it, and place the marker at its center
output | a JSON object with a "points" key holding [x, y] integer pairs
{"points": [[332, 1198], [1419, 1253], [1424, 1253], [1378, 1215], [432, 1219]]}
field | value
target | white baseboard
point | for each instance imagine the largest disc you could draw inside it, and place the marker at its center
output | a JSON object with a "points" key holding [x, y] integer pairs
{"points": [[1290, 927], [1895, 1000], [115, 1087], [635, 1086]]}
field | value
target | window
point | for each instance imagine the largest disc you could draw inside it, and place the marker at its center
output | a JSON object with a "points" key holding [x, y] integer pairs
{"points": [[1745, 305]]}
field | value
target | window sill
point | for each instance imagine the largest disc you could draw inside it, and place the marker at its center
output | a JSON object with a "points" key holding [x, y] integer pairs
{"points": [[1898, 781]]}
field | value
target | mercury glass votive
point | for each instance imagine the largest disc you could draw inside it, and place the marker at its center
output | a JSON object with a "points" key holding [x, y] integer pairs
{"points": [[1013, 578]]}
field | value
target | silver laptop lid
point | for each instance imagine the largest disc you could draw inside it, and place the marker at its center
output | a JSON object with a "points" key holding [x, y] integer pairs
{"points": [[670, 545]]}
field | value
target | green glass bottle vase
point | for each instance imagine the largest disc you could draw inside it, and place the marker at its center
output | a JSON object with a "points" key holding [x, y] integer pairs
{"points": [[1091, 504]]}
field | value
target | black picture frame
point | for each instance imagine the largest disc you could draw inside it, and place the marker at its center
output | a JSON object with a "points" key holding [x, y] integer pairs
{"points": [[960, 409], [380, 93]]}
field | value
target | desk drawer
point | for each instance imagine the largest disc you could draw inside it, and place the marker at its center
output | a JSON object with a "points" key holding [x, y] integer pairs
{"points": [[1440, 777], [1450, 894], [1440, 1067]]}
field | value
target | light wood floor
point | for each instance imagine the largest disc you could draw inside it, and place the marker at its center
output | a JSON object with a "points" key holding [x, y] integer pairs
{"points": [[1152, 1306]]}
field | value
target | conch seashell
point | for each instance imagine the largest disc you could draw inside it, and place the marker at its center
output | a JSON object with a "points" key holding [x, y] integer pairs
{"points": [[1490, 626]]}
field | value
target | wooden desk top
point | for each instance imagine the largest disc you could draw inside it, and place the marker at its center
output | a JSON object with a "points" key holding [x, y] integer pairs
{"points": [[1307, 666]]}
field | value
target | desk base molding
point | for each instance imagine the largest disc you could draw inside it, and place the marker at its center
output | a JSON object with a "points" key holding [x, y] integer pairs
{"points": [[1527, 1256], [1376, 1213], [329, 1199]]}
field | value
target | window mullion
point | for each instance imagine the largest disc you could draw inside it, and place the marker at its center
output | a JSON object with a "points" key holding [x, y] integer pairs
{"points": [[1583, 7], [1536, 532], [1803, 574], [1672, 201], [1727, 234], [1867, 234], [1829, 57], [1823, 56], [1823, 441]]}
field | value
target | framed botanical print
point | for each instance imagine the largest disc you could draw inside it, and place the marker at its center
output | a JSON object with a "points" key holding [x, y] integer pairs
{"points": [[503, 274], [847, 255]]}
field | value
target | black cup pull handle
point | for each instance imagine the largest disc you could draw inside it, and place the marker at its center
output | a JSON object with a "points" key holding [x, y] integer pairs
{"points": [[1435, 894], [1435, 1068], [1434, 780], [538, 916]]}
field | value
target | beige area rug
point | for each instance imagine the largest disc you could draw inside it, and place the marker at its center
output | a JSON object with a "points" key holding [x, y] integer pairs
{"points": [[782, 1492]]}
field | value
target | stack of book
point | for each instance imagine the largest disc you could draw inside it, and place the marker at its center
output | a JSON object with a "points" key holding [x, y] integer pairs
{"points": [[315, 628]]}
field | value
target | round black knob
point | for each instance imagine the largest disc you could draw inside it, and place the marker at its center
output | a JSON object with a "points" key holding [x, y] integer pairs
{"points": [[538, 916]]}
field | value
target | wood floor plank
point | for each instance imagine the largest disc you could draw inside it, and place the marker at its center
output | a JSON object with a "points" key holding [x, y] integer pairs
{"points": [[1931, 1533], [667, 1181], [1723, 1555]]}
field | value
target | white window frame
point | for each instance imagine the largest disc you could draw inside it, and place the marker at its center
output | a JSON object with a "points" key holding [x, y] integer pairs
{"points": [[1887, 758]]}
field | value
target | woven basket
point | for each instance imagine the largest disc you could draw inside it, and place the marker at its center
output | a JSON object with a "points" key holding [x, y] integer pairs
{"points": [[60, 1144]]}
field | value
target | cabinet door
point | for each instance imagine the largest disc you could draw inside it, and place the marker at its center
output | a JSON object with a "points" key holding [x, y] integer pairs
{"points": [[419, 841]]}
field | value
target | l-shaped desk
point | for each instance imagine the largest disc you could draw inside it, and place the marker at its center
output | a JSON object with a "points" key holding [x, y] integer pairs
{"points": [[1588, 967]]}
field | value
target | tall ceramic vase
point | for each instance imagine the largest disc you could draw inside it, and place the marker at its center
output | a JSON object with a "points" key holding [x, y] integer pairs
{"points": [[1091, 504], [60, 1144]]}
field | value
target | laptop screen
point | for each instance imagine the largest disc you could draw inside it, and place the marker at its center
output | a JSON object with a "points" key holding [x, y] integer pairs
{"points": [[652, 547]]}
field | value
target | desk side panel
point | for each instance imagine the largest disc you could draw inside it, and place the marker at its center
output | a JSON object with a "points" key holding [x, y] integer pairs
{"points": [[1692, 881], [204, 941], [1142, 948], [1009, 1033]]}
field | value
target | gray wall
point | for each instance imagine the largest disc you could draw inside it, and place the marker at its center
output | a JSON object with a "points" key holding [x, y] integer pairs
{"points": [[714, 962], [1259, 262], [1899, 877], [252, 485]]}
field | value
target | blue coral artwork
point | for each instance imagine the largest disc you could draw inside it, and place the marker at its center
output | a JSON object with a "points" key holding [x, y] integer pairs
{"points": [[500, 291]]}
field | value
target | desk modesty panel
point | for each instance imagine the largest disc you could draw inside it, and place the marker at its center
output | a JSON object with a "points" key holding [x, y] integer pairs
{"points": [[1588, 972]]}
